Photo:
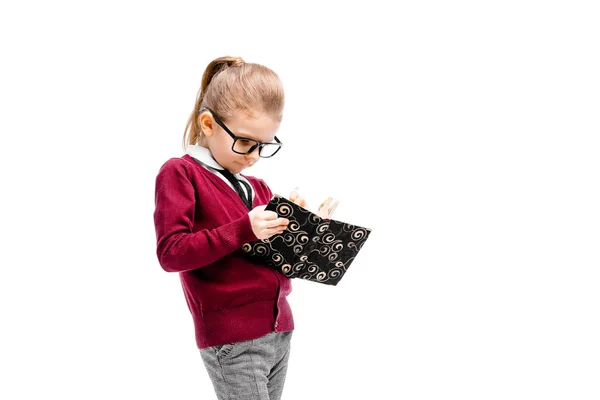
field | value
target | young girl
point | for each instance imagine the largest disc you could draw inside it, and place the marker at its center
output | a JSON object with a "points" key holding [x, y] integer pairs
{"points": [[206, 210]]}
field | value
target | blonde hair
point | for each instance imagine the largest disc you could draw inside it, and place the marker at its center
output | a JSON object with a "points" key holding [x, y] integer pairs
{"points": [[229, 84]]}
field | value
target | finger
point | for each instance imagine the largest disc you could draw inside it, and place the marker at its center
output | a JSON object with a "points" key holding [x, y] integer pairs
{"points": [[326, 203], [269, 215], [280, 222], [299, 199], [333, 207], [274, 231]]}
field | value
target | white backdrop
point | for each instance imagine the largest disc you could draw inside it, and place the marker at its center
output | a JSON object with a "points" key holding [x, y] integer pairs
{"points": [[464, 134]]}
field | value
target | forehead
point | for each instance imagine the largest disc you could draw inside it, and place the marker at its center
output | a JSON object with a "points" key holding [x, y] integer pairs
{"points": [[261, 127]]}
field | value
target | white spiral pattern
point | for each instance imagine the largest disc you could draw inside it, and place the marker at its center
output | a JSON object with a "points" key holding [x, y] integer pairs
{"points": [[288, 239], [314, 219], [322, 228], [261, 249], [284, 210], [328, 237], [277, 259], [358, 234], [293, 226], [303, 239], [334, 273]]}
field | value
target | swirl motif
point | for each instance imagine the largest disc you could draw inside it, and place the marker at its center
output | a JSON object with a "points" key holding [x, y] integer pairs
{"points": [[322, 228], [328, 237], [261, 249], [347, 228], [334, 273], [288, 239], [293, 226], [277, 259], [324, 250], [303, 239], [285, 210], [358, 234], [314, 219]]}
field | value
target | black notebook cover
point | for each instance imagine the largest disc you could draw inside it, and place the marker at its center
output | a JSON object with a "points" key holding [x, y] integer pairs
{"points": [[312, 248]]}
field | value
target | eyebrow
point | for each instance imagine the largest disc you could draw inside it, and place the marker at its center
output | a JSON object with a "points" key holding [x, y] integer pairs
{"points": [[244, 135]]}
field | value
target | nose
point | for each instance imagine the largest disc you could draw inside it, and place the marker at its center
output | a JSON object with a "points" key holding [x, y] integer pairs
{"points": [[253, 156]]}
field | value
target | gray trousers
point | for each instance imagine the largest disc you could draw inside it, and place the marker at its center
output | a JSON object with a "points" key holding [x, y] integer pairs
{"points": [[250, 370]]}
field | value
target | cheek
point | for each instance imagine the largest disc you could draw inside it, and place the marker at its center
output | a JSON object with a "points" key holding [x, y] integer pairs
{"points": [[223, 154]]}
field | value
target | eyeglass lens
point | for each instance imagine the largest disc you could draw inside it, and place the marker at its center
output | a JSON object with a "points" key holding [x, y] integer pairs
{"points": [[245, 146]]}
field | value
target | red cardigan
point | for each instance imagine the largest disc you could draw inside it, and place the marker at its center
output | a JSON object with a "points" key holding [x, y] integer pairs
{"points": [[201, 225]]}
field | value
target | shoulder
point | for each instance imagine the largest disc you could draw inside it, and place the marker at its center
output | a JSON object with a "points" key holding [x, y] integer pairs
{"points": [[179, 173], [178, 165]]}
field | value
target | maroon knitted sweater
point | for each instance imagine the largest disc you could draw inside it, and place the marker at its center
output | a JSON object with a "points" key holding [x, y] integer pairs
{"points": [[201, 225]]}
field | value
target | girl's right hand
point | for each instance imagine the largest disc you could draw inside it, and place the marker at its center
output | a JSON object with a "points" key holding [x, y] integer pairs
{"points": [[266, 223]]}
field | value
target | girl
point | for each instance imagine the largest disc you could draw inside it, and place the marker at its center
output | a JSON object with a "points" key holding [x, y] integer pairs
{"points": [[206, 210]]}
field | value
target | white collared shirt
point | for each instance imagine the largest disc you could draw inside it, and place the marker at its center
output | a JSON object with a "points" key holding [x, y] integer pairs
{"points": [[203, 154]]}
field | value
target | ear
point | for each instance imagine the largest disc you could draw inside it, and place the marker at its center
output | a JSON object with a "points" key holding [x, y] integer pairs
{"points": [[206, 121]]}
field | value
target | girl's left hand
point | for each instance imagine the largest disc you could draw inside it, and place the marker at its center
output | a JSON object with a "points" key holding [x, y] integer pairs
{"points": [[295, 197]]}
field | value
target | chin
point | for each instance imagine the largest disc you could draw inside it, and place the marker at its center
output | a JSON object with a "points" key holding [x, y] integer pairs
{"points": [[242, 167]]}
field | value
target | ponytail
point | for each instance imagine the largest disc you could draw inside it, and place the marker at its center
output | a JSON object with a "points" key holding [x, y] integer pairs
{"points": [[192, 131]]}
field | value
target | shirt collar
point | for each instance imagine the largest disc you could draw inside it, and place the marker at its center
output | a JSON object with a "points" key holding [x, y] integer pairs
{"points": [[203, 154]]}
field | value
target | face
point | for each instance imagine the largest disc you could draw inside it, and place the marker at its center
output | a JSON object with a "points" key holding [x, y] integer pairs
{"points": [[260, 127]]}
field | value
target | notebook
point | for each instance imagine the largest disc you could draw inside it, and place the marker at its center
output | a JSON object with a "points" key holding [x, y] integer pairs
{"points": [[311, 248]]}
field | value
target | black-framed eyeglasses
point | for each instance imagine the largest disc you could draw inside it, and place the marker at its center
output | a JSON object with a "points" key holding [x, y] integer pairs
{"points": [[243, 145]]}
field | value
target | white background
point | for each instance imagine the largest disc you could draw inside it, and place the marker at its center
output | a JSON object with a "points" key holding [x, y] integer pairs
{"points": [[464, 134]]}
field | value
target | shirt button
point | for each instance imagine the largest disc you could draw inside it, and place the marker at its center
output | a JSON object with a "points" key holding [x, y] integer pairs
{"points": [[276, 324]]}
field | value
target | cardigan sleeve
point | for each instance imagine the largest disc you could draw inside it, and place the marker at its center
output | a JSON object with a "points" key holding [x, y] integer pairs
{"points": [[178, 248]]}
